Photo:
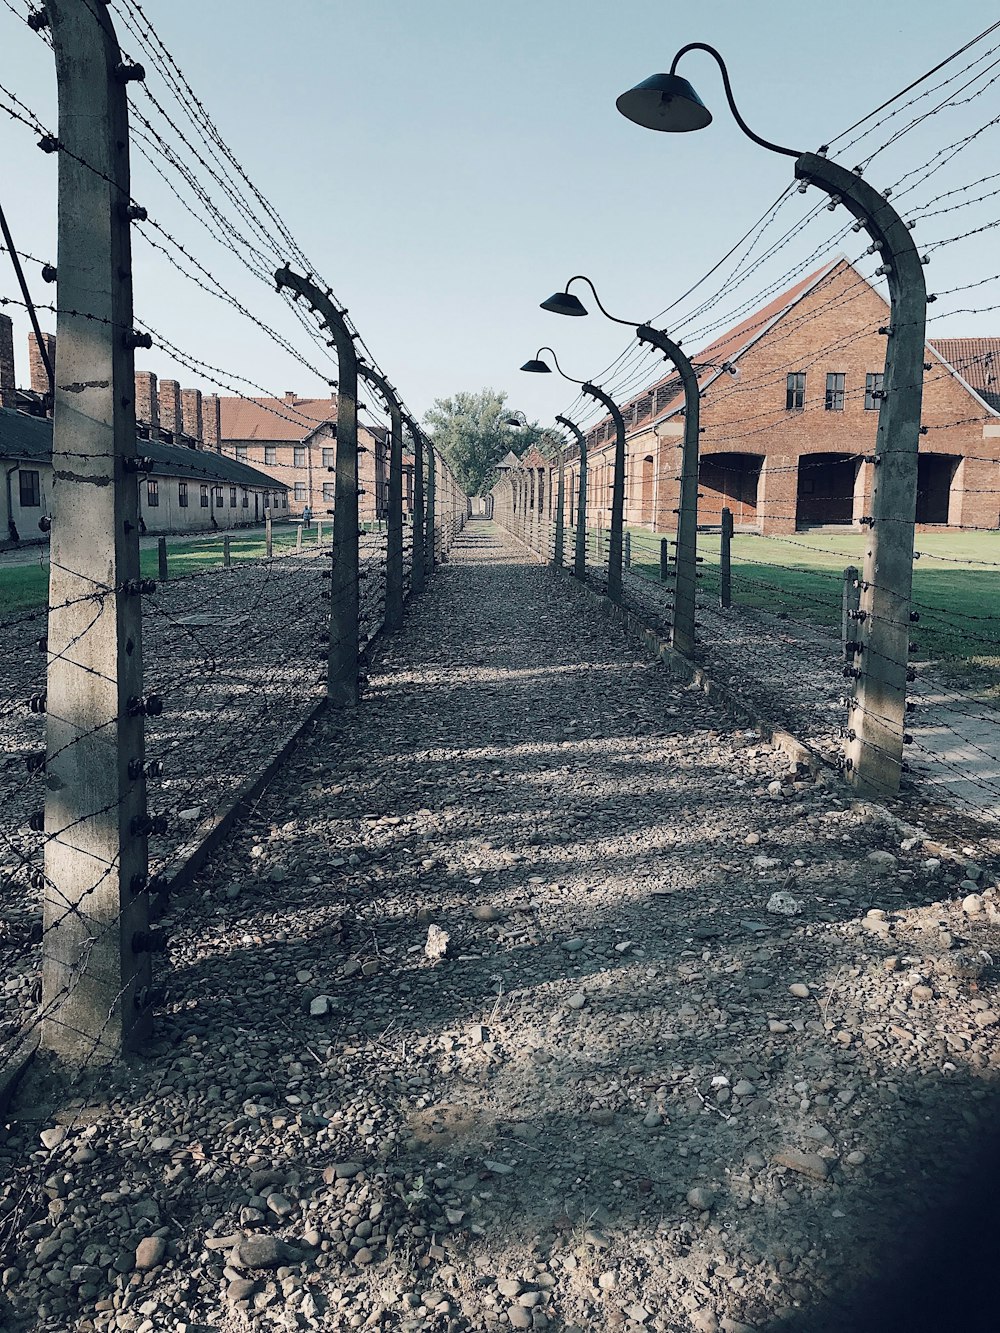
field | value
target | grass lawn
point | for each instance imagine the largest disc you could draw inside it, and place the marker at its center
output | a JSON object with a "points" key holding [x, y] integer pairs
{"points": [[26, 586], [956, 588]]}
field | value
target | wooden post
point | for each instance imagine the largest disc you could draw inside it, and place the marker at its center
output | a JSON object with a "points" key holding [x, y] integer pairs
{"points": [[161, 553], [319, 532], [268, 538], [95, 958], [227, 555], [298, 540], [725, 560], [628, 549], [664, 559]]}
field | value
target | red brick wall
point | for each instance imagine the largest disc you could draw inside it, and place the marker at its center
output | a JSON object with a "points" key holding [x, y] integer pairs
{"points": [[36, 366], [147, 406]]}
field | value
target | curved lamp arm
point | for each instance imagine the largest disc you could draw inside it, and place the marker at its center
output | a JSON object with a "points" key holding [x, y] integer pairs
{"points": [[582, 277], [764, 143], [557, 365]]}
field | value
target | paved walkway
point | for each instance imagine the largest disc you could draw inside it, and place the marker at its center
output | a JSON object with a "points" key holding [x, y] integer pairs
{"points": [[485, 1019]]}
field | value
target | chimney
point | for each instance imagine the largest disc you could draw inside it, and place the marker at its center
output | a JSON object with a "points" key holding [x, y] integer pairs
{"points": [[211, 422], [170, 407], [7, 396], [191, 413], [36, 366], [147, 408]]}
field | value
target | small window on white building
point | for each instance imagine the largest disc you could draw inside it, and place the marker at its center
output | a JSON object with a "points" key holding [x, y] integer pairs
{"points": [[31, 494], [152, 493], [182, 494]]}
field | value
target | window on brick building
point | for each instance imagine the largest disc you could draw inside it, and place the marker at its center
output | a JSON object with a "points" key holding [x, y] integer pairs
{"points": [[329, 490], [270, 454], [152, 493], [182, 494], [232, 497], [835, 392], [204, 497], [795, 391], [329, 458], [300, 491], [300, 455], [873, 392], [241, 453], [31, 492]]}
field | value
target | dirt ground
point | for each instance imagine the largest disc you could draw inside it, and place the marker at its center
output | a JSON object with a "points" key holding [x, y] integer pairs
{"points": [[536, 994]]}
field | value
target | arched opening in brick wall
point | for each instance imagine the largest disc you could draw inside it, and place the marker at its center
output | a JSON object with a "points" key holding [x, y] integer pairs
{"points": [[729, 481], [936, 498], [826, 490], [646, 492]]}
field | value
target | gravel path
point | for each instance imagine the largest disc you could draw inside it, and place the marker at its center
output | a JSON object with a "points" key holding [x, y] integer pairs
{"points": [[485, 1019]]}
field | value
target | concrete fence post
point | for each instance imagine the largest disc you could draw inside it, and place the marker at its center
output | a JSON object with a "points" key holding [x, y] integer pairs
{"points": [[394, 518], [298, 540], [95, 956], [664, 559], [876, 727], [560, 537], [726, 560], [227, 553], [849, 627], [418, 567], [615, 545], [268, 538], [430, 545], [342, 663], [628, 550], [161, 559], [319, 532]]}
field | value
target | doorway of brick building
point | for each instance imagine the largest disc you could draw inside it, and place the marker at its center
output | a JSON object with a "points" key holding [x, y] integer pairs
{"points": [[937, 501], [729, 480], [646, 493], [827, 490]]}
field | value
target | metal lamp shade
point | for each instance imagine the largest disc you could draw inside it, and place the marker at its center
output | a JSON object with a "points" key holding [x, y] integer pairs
{"points": [[665, 102], [536, 367], [564, 303]]}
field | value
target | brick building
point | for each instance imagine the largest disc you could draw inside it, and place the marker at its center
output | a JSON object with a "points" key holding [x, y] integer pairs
{"points": [[294, 440], [185, 485], [786, 440]]}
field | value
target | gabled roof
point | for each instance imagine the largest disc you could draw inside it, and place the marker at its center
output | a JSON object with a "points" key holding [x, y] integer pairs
{"points": [[533, 457], [30, 438], [977, 360], [510, 461], [281, 420]]}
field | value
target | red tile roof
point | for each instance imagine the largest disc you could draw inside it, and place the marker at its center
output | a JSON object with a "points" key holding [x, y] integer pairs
{"points": [[281, 420], [977, 360]]}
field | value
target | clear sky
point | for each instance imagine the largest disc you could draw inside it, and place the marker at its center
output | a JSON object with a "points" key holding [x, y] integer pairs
{"points": [[446, 164]]}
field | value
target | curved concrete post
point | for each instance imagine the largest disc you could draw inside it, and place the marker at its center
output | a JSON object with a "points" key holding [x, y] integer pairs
{"points": [[686, 551], [560, 519], [394, 517], [580, 546], [617, 492], [418, 567], [430, 545], [342, 662], [874, 751], [95, 965]]}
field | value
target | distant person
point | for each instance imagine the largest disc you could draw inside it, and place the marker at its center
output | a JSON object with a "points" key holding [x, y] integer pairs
{"points": [[307, 514]]}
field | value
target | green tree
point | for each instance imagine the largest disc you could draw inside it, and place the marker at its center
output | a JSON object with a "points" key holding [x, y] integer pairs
{"points": [[471, 430]]}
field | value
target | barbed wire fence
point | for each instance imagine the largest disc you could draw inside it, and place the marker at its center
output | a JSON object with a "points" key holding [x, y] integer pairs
{"points": [[139, 713], [780, 626]]}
